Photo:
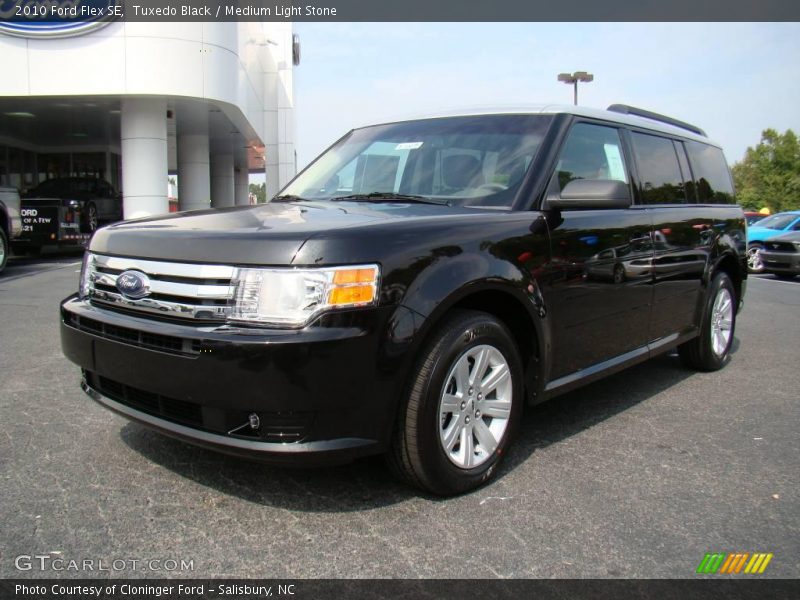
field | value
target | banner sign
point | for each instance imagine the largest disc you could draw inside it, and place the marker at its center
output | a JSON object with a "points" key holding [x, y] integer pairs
{"points": [[60, 18]]}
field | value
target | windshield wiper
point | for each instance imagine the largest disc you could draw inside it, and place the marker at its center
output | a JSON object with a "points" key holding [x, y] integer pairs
{"points": [[381, 196], [289, 198]]}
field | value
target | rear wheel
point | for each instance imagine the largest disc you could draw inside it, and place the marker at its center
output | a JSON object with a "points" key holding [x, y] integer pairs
{"points": [[463, 406], [711, 349], [90, 220], [754, 262]]}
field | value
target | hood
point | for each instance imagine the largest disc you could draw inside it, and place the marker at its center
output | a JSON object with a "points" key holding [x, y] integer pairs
{"points": [[792, 236], [267, 234]]}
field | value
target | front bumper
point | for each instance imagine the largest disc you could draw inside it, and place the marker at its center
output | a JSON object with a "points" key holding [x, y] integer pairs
{"points": [[780, 262], [319, 452], [323, 394]]}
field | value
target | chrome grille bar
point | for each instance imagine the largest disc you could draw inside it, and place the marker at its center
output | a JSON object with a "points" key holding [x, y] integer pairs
{"points": [[183, 290], [155, 268]]}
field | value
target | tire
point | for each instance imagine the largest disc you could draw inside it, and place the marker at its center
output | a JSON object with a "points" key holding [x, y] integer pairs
{"points": [[619, 274], [754, 264], [785, 276], [89, 221], [4, 249], [442, 410], [710, 350]]}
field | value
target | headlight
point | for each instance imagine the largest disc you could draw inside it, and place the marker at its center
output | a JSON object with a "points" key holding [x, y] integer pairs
{"points": [[292, 297], [83, 286]]}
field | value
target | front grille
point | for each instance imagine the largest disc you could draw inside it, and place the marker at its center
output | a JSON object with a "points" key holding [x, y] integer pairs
{"points": [[171, 290], [133, 337], [275, 426], [179, 411], [780, 247]]}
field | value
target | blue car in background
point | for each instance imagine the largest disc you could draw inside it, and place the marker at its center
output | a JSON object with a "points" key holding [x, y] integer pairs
{"points": [[763, 230]]}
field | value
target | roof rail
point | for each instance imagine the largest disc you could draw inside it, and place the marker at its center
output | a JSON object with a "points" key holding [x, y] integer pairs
{"points": [[640, 112]]}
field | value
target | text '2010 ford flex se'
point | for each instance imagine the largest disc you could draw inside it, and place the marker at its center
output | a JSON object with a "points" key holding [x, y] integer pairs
{"points": [[415, 287]]}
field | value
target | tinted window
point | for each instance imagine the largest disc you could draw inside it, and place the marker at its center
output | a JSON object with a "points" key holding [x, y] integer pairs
{"points": [[712, 178], [779, 221], [53, 187], [659, 172], [104, 189], [591, 152]]}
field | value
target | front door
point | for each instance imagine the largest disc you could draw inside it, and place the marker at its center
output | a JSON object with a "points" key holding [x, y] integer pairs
{"points": [[599, 280]]}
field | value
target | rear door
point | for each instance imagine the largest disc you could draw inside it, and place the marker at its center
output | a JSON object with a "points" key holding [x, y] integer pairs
{"points": [[681, 235], [599, 281], [686, 225]]}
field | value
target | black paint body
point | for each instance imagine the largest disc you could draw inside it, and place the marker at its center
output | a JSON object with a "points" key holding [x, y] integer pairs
{"points": [[585, 293]]}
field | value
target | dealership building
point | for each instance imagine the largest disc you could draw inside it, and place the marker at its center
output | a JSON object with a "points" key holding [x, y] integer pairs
{"points": [[132, 103]]}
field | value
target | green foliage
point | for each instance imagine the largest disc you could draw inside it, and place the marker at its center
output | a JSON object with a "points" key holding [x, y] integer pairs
{"points": [[769, 174], [260, 191]]}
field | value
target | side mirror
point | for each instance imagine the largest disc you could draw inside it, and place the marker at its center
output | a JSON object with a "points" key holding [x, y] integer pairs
{"points": [[593, 193]]}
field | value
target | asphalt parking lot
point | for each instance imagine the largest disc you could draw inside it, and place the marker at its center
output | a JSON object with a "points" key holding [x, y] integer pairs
{"points": [[638, 475]]}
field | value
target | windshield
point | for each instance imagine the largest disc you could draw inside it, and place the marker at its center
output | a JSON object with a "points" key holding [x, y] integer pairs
{"points": [[753, 219], [476, 161], [777, 221]]}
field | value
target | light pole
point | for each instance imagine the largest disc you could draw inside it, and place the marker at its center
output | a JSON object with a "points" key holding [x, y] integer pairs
{"points": [[574, 78]]}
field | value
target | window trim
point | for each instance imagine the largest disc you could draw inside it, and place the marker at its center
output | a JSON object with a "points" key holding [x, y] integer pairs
{"points": [[734, 201], [627, 155], [639, 183]]}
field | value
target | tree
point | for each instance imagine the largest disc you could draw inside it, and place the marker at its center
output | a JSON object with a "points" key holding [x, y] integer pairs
{"points": [[260, 191], [769, 174]]}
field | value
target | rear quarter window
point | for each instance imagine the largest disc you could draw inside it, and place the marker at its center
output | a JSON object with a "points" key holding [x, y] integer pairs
{"points": [[659, 171], [712, 178]]}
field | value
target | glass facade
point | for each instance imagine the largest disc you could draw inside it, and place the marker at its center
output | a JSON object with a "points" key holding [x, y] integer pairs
{"points": [[25, 170]]}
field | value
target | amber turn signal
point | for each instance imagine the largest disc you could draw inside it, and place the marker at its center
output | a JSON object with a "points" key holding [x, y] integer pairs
{"points": [[350, 276], [355, 294]]}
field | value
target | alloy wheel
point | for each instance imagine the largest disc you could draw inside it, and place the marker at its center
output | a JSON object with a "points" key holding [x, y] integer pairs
{"points": [[475, 406], [721, 321]]}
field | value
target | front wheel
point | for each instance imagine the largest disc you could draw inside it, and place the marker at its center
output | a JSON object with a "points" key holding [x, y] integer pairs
{"points": [[711, 349], [4, 249], [463, 406], [754, 262]]}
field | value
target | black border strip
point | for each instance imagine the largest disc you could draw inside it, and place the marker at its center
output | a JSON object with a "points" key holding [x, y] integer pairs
{"points": [[728, 587], [417, 10]]}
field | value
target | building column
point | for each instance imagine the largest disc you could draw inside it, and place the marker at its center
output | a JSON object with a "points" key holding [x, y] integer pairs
{"points": [[194, 172], [143, 125], [279, 167], [271, 170], [222, 187], [241, 182]]}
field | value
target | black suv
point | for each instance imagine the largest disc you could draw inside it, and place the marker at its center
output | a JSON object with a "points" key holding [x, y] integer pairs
{"points": [[94, 199], [415, 287]]}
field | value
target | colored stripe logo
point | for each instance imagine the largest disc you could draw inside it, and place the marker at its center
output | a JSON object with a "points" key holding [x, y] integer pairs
{"points": [[733, 563]]}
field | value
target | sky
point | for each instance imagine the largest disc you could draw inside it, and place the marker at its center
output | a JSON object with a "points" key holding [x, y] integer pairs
{"points": [[731, 79]]}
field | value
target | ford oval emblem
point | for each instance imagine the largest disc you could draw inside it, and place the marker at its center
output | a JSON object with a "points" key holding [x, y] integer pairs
{"points": [[56, 18], [133, 284]]}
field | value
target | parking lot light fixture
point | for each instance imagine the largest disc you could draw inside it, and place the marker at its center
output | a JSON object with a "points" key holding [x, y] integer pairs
{"points": [[573, 79]]}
